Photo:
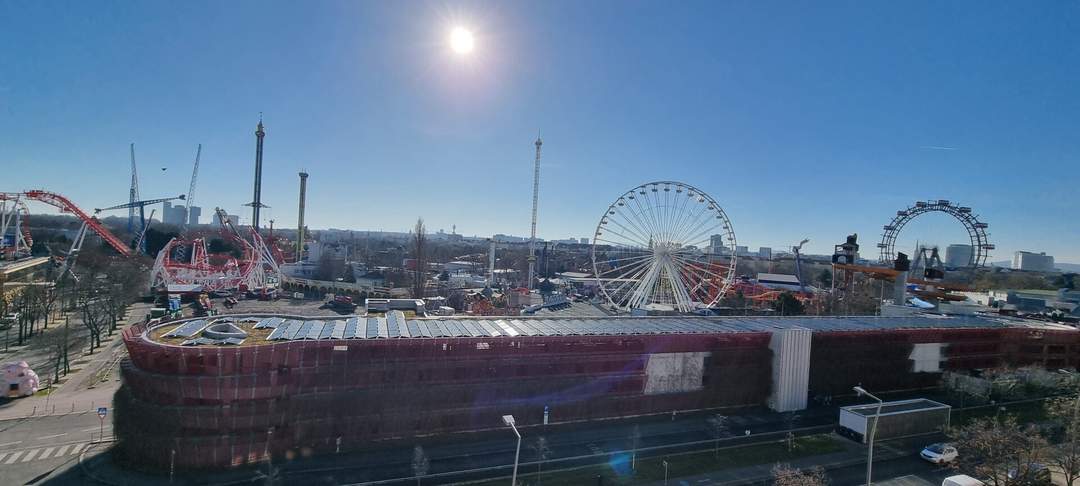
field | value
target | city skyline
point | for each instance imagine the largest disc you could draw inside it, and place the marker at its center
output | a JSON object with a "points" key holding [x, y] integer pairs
{"points": [[819, 141]]}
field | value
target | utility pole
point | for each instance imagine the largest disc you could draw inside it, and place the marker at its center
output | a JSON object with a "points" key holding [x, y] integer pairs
{"points": [[536, 195]]}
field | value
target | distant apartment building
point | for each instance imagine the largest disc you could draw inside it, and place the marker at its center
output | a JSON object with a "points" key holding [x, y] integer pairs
{"points": [[194, 214], [584, 241], [764, 252], [716, 245], [174, 215], [957, 256], [742, 250], [1031, 261]]}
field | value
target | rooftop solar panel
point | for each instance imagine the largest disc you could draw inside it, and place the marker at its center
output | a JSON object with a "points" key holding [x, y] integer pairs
{"points": [[188, 329], [339, 330], [351, 327], [384, 328], [313, 331], [327, 330], [488, 328], [371, 328], [507, 328], [472, 329]]}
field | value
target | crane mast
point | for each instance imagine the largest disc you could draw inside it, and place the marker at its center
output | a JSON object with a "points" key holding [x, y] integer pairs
{"points": [[191, 190], [536, 194], [133, 193]]}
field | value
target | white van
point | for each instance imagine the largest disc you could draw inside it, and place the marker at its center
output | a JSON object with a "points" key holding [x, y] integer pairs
{"points": [[961, 480]]}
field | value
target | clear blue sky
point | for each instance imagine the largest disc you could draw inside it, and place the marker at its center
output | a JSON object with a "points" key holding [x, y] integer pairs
{"points": [[803, 119]]}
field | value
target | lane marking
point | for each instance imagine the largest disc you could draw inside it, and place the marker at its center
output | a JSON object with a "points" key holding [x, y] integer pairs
{"points": [[30, 455], [95, 429], [11, 443], [51, 436], [78, 448], [48, 450], [13, 458], [3, 455], [62, 450]]}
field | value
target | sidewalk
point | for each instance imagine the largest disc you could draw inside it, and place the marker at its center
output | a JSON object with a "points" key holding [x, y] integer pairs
{"points": [[83, 391], [853, 453]]}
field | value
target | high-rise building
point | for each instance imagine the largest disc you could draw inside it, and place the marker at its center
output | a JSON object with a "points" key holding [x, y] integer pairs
{"points": [[173, 215], [957, 256], [716, 245], [1031, 261], [193, 215], [764, 252], [584, 241]]}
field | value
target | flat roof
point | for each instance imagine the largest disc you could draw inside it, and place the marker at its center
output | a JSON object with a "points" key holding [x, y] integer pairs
{"points": [[900, 406], [395, 325]]}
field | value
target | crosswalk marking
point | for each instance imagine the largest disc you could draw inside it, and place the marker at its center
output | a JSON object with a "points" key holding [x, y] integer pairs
{"points": [[30, 455], [40, 453]]}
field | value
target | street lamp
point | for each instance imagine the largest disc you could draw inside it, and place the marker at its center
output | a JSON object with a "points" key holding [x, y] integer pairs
{"points": [[665, 472], [870, 448], [509, 420]]}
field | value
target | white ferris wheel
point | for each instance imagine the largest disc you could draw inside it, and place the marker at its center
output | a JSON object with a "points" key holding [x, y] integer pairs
{"points": [[664, 243]]}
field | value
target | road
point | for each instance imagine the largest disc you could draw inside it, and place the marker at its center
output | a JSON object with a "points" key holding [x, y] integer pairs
{"points": [[32, 447], [904, 471]]}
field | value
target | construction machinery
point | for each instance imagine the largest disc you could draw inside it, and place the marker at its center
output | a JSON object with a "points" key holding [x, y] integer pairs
{"points": [[141, 206], [13, 214]]}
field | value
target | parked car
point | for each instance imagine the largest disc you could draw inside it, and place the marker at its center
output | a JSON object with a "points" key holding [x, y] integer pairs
{"points": [[961, 480], [939, 453], [1038, 475]]}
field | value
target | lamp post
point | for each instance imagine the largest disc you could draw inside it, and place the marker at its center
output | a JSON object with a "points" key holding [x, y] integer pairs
{"points": [[509, 420], [873, 428], [665, 472]]}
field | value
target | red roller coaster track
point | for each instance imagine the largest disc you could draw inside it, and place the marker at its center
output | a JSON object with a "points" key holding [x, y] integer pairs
{"points": [[67, 206]]}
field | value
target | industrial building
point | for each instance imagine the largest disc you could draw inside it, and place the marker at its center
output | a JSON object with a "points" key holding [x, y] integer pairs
{"points": [[283, 384], [1032, 262]]}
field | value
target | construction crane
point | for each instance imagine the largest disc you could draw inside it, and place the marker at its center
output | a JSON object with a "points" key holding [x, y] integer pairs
{"points": [[142, 235], [191, 190], [141, 206], [133, 193], [798, 263], [226, 223]]}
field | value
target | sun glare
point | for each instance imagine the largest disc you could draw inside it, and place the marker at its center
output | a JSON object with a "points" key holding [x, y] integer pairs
{"points": [[461, 40]]}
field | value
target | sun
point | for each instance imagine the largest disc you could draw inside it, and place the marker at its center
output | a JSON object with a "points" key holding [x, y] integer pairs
{"points": [[461, 40]]}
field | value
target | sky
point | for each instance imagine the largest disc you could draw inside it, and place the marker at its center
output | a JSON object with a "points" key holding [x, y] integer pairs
{"points": [[802, 119]]}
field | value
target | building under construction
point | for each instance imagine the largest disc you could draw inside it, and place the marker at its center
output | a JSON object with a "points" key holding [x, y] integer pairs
{"points": [[230, 390]]}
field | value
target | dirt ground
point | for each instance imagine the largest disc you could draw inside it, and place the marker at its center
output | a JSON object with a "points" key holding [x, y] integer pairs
{"points": [[288, 306]]}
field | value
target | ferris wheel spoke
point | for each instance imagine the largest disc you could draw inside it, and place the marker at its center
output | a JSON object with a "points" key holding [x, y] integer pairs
{"points": [[678, 289], [694, 221], [682, 213], [637, 238], [703, 234], [636, 241], [635, 217], [700, 268], [645, 217], [624, 269], [632, 280]]}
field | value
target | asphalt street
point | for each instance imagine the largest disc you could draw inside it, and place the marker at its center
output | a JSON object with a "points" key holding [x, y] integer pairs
{"points": [[33, 447]]}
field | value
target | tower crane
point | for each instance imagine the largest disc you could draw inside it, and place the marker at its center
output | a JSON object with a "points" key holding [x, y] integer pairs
{"points": [[798, 263], [191, 190], [141, 206]]}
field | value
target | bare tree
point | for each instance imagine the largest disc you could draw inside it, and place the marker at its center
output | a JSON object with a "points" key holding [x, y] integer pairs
{"points": [[718, 427], [1066, 455], [540, 446], [999, 449], [419, 241], [785, 475], [420, 464]]}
